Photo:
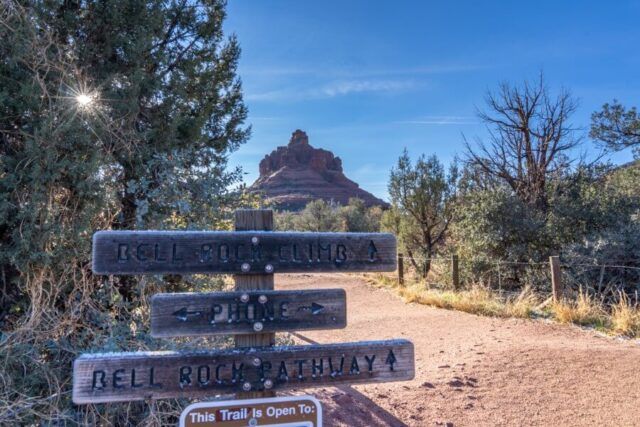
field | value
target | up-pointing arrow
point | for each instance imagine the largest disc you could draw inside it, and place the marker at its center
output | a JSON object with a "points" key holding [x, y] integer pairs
{"points": [[391, 359]]}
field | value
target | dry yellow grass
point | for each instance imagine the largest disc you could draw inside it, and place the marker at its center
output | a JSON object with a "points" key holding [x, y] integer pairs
{"points": [[585, 310], [477, 300], [623, 319]]}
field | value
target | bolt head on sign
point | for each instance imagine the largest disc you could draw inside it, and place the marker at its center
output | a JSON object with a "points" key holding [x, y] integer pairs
{"points": [[294, 411]]}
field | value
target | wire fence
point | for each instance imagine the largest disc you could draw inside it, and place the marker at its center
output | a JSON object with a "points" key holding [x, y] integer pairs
{"points": [[607, 282]]}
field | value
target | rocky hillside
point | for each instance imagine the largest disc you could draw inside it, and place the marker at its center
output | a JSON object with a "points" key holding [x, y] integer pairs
{"points": [[294, 175]]}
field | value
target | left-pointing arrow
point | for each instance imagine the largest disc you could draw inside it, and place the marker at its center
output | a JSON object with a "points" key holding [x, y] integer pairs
{"points": [[183, 314]]}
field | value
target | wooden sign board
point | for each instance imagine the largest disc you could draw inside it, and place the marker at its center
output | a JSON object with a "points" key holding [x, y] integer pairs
{"points": [[195, 314], [291, 411], [240, 252], [123, 377]]}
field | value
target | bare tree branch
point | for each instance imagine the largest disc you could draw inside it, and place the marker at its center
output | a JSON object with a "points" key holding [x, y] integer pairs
{"points": [[529, 138]]}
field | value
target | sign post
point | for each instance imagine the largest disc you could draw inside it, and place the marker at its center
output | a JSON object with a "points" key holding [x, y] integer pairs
{"points": [[255, 220], [252, 313]]}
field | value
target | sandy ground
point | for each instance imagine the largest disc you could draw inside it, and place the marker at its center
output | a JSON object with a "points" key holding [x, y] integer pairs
{"points": [[477, 371]]}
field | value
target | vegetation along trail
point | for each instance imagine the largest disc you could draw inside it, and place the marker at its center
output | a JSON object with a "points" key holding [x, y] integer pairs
{"points": [[473, 370]]}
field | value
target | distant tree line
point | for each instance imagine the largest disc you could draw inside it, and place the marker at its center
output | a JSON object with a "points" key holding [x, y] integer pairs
{"points": [[520, 194], [320, 215]]}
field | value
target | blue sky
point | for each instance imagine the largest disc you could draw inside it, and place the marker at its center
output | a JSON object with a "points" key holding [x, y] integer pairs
{"points": [[365, 79]]}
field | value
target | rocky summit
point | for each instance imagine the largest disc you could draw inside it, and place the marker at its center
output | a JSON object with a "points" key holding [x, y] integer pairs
{"points": [[292, 176]]}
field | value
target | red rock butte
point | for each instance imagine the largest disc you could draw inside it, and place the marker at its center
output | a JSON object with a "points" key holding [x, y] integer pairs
{"points": [[292, 176]]}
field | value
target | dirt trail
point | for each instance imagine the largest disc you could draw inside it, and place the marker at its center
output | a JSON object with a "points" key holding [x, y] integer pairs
{"points": [[477, 371]]}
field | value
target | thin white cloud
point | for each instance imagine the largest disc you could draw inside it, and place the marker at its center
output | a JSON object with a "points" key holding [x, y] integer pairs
{"points": [[272, 95], [358, 86], [364, 72], [264, 119], [334, 89], [442, 120]]}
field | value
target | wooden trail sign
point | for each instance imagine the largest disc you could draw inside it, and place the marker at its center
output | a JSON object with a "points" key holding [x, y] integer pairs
{"points": [[113, 377], [292, 411], [240, 252], [246, 312]]}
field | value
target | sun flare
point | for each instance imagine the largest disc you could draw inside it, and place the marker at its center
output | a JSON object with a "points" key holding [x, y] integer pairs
{"points": [[84, 100]]}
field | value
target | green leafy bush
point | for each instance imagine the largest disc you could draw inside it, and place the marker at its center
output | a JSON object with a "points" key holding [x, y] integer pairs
{"points": [[149, 151]]}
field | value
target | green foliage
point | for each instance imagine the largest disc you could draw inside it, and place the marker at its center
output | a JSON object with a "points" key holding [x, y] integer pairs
{"points": [[616, 127], [149, 151], [494, 224], [612, 247], [356, 217], [422, 196], [171, 109], [613, 236], [319, 215]]}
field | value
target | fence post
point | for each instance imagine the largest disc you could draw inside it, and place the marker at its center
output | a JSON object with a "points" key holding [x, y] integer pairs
{"points": [[400, 269], [455, 272], [254, 219], [556, 278]]}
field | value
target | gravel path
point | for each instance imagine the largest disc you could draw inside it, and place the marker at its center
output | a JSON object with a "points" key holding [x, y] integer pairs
{"points": [[477, 371]]}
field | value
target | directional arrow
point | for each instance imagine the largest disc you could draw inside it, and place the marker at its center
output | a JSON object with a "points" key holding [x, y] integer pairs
{"points": [[218, 313], [391, 359], [372, 251], [316, 308], [183, 314]]}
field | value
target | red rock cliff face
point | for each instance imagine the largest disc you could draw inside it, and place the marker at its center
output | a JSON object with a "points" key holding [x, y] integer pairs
{"points": [[294, 175]]}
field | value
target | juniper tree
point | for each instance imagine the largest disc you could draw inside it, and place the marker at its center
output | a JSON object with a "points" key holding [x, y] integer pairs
{"points": [[616, 127], [422, 199], [166, 76], [111, 114]]}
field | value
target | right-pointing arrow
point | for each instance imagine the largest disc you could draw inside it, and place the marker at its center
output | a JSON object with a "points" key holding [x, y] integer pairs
{"points": [[316, 308]]}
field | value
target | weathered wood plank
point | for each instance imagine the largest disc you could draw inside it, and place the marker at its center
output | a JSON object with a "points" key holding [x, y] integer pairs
{"points": [[240, 252], [117, 377], [248, 312]]}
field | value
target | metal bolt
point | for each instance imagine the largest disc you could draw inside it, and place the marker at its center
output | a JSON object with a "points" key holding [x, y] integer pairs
{"points": [[262, 299], [245, 267], [257, 361], [255, 240], [268, 384], [258, 326], [244, 298], [268, 268], [246, 386]]}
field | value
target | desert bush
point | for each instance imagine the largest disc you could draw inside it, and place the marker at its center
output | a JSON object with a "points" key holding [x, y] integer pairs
{"points": [[319, 215], [586, 208], [423, 197], [598, 262], [67, 170]]}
